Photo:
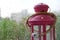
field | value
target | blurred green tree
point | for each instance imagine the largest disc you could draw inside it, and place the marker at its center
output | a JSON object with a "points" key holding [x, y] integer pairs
{"points": [[10, 30], [7, 31], [58, 28]]}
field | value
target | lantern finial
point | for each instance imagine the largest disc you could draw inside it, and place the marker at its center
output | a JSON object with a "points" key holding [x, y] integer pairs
{"points": [[41, 7]]}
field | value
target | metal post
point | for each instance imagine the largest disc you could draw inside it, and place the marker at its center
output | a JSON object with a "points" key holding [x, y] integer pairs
{"points": [[32, 32], [51, 34], [44, 30], [54, 33], [39, 32]]}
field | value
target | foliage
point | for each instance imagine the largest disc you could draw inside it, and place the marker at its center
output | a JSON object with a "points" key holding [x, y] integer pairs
{"points": [[9, 30], [24, 33], [58, 28]]}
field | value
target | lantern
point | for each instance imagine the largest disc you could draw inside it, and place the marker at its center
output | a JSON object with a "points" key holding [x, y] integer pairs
{"points": [[42, 24]]}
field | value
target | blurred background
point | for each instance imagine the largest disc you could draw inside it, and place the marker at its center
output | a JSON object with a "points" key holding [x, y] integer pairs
{"points": [[14, 13]]}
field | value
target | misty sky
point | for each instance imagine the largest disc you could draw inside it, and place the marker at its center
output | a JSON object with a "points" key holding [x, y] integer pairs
{"points": [[11, 6]]}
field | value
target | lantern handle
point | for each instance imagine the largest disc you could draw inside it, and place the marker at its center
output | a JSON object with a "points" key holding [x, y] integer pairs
{"points": [[49, 9]]}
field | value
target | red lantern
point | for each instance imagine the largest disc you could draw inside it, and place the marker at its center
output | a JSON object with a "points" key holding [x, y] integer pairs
{"points": [[41, 23]]}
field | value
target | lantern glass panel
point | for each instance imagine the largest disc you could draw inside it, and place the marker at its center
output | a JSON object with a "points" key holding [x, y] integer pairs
{"points": [[48, 34], [36, 32]]}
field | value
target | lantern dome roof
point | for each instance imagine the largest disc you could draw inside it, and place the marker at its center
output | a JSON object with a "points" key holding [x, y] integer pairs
{"points": [[41, 19]]}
